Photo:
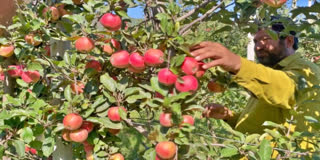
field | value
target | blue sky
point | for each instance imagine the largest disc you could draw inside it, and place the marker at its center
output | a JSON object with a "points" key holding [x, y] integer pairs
{"points": [[138, 11]]}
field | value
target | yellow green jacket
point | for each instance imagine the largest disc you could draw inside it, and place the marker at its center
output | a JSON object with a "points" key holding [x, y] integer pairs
{"points": [[274, 93]]}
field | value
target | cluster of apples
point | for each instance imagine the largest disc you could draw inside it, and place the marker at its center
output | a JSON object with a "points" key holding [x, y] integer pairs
{"points": [[188, 83], [75, 129], [17, 71]]}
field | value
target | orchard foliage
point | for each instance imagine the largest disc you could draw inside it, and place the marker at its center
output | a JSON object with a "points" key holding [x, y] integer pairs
{"points": [[111, 86]]}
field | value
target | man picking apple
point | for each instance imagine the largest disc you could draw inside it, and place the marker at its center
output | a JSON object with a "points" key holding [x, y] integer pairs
{"points": [[273, 83]]}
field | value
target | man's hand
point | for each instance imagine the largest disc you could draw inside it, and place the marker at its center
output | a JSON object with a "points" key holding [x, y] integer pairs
{"points": [[217, 111], [220, 55]]}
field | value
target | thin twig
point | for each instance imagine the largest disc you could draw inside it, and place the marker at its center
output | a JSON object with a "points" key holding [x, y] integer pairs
{"points": [[188, 26], [194, 10]]}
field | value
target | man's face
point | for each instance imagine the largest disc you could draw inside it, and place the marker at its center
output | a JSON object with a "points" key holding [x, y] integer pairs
{"points": [[268, 51]]}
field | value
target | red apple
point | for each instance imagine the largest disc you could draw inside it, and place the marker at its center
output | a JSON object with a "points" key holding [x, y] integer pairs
{"points": [[53, 11], [87, 146], [111, 48], [87, 125], [15, 70], [27, 149], [29, 38], [65, 135], [120, 59], [111, 21], [79, 135], [136, 61], [154, 57], [84, 44], [189, 83], [114, 131], [215, 87], [166, 77], [77, 87], [33, 151], [30, 76], [6, 50], [166, 149], [113, 113], [190, 66], [201, 71], [158, 95], [274, 3], [187, 119], [134, 70], [117, 156], [165, 119], [94, 65], [72, 121]]}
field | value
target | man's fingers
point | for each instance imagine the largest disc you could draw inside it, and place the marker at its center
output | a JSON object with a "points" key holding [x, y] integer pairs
{"points": [[212, 64], [199, 45]]}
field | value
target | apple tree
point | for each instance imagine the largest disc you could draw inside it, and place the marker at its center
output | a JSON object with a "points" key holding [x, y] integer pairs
{"points": [[80, 79]]}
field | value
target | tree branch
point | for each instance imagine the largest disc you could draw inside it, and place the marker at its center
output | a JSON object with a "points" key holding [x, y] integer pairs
{"points": [[188, 26], [193, 10]]}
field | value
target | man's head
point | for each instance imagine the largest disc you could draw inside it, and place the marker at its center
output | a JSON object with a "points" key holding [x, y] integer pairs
{"points": [[269, 51]]}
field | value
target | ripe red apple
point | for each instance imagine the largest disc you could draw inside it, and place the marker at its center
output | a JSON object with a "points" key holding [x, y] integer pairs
{"points": [[111, 48], [53, 11], [77, 87], [89, 155], [79, 135], [134, 70], [87, 146], [30, 39], [113, 113], [33, 151], [274, 3], [15, 70], [111, 21], [189, 83], [136, 61], [62, 10], [315, 59], [72, 121], [166, 77], [201, 71], [30, 76], [187, 119], [96, 65], [48, 52], [84, 44], [6, 50], [87, 125], [65, 135], [120, 59], [215, 87], [154, 57], [27, 149], [166, 149], [114, 131], [117, 156], [189, 66], [165, 119]]}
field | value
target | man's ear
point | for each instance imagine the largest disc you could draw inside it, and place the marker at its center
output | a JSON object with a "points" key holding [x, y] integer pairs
{"points": [[289, 41]]}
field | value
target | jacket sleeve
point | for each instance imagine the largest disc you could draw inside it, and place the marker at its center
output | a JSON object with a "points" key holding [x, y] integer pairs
{"points": [[273, 86]]}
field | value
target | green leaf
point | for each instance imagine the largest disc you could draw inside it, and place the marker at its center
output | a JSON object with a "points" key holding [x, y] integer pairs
{"points": [[251, 138], [311, 119], [108, 82], [105, 122], [272, 34], [132, 90], [158, 87], [123, 14], [178, 60], [87, 7], [21, 83], [19, 146], [27, 134], [48, 146], [123, 84], [4, 127], [67, 93], [228, 152], [265, 150], [272, 124], [110, 98], [134, 98]]}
